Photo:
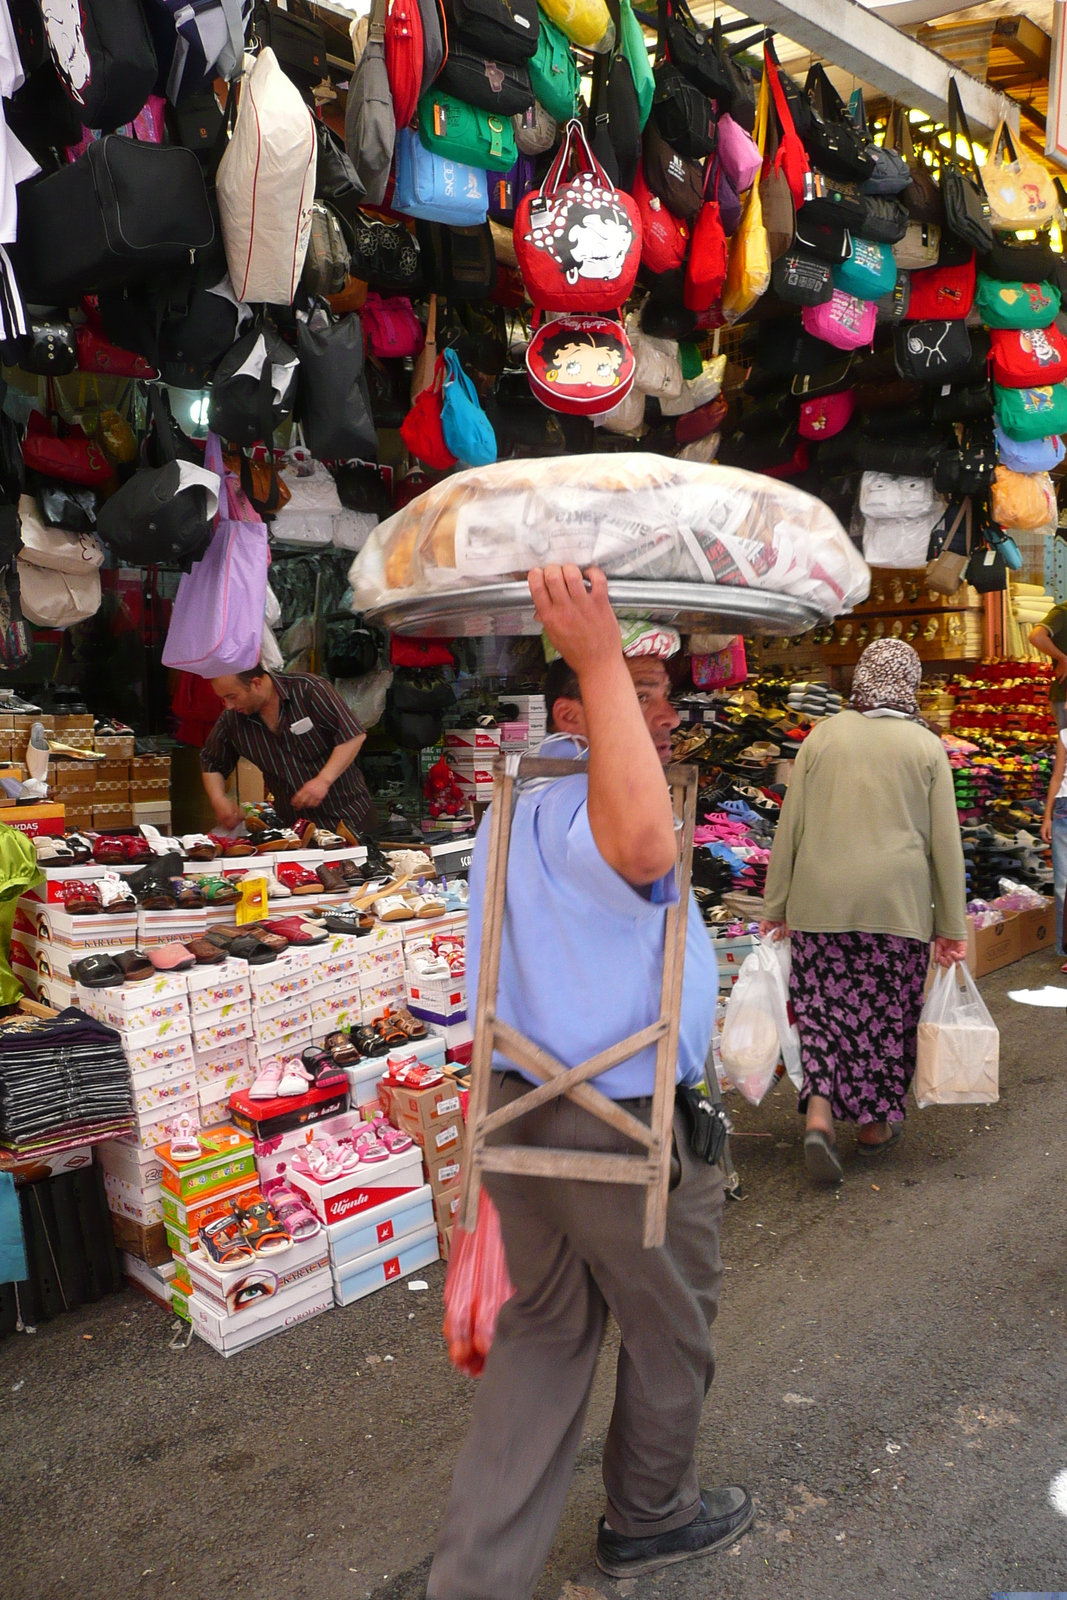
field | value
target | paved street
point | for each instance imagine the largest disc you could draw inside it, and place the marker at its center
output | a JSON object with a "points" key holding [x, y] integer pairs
{"points": [[892, 1386]]}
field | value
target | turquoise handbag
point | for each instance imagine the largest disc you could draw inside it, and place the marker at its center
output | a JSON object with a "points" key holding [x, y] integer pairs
{"points": [[870, 271], [467, 430]]}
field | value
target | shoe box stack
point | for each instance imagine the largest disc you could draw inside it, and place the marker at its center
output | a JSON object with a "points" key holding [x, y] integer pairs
{"points": [[220, 1006], [433, 1113], [46, 938], [434, 956], [120, 791], [167, 927], [532, 712], [471, 753], [379, 958]]}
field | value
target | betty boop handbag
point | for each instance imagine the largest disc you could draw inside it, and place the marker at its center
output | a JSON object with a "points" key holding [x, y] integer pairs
{"points": [[581, 365]]}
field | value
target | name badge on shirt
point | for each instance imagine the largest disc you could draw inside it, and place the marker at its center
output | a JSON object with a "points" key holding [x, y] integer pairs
{"points": [[305, 725]]}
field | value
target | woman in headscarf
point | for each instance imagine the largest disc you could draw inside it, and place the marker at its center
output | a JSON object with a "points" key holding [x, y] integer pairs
{"points": [[866, 869]]}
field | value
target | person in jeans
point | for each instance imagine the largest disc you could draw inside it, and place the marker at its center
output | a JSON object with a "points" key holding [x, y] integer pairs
{"points": [[1050, 637], [866, 868], [1054, 832], [591, 874]]}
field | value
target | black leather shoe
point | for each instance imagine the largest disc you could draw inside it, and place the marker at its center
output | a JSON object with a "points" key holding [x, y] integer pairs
{"points": [[724, 1515]]}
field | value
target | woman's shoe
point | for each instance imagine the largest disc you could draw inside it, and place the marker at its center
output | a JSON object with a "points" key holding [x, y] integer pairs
{"points": [[896, 1133], [821, 1157]]}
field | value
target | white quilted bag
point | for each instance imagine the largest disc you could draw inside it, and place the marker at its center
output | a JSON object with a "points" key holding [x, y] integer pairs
{"points": [[266, 186], [308, 518]]}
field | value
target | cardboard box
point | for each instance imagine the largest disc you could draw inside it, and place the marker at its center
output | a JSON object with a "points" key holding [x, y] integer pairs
{"points": [[386, 1266], [362, 1235], [107, 818], [446, 1207], [117, 747], [420, 1111], [989, 949], [36, 820], [444, 1171], [148, 1244], [1037, 928]]}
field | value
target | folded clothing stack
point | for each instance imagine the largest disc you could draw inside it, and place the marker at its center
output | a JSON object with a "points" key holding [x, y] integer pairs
{"points": [[63, 1080]]}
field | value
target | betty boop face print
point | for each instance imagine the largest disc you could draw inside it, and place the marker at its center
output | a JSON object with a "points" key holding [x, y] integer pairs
{"points": [[66, 39]]}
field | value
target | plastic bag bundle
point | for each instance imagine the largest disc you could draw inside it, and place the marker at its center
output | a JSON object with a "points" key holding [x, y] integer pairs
{"points": [[959, 1045], [639, 516], [756, 1029], [476, 1286]]}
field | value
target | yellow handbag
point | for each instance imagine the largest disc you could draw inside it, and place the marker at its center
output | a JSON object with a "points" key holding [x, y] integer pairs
{"points": [[1024, 500], [587, 23], [748, 271], [1021, 194]]}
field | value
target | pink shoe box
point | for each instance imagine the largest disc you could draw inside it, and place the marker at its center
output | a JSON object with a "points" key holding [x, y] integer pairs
{"points": [[280, 1024], [391, 1223], [372, 1184], [106, 1006], [227, 1029], [218, 985], [386, 1265], [228, 1335], [162, 1052], [220, 1065], [279, 1275], [153, 1127]]}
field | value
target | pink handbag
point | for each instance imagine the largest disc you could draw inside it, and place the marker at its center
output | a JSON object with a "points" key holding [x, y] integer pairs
{"points": [[826, 414], [390, 327], [739, 154], [843, 321]]}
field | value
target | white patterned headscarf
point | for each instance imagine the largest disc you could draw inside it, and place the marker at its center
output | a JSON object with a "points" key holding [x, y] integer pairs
{"points": [[887, 679]]}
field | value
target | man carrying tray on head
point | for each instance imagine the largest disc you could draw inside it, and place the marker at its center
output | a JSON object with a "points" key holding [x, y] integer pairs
{"points": [[591, 874]]}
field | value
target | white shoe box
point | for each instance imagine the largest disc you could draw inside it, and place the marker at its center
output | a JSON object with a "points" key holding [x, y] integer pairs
{"points": [[372, 1184], [229, 1335], [288, 1272]]}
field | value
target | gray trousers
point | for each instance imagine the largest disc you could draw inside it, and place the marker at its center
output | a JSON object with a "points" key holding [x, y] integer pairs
{"points": [[574, 1253]]}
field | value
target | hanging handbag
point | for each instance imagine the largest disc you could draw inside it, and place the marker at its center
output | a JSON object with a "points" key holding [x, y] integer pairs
{"points": [[966, 469], [553, 72], [944, 571], [684, 116], [254, 387], [967, 213], [1022, 261], [50, 350], [842, 321], [63, 505], [506, 189], [1031, 455], [578, 240], [582, 365], [403, 58], [336, 180], [987, 571], [675, 179], [833, 203], [535, 131], [162, 513], [891, 175], [298, 42], [326, 263], [421, 429], [705, 272], [614, 119], [1022, 500], [748, 272], [103, 53], [636, 52], [942, 293], [334, 405], [58, 549], [1031, 413], [790, 158], [825, 416], [370, 121], [963, 402], [692, 50], [922, 197], [834, 144], [1021, 193], [932, 352], [885, 220], [919, 246], [391, 329], [503, 30], [869, 273], [664, 239], [1028, 358], [500, 88], [893, 307], [464, 424], [898, 457], [825, 240], [64, 453], [465, 134], [738, 152], [801, 279], [384, 255], [436, 189], [460, 263], [776, 197], [1016, 305]]}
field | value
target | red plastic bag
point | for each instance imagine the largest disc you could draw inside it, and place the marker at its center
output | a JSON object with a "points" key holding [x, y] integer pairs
{"points": [[476, 1286]]}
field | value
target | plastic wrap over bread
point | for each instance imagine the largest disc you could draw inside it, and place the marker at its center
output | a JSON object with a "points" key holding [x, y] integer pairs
{"points": [[639, 516]]}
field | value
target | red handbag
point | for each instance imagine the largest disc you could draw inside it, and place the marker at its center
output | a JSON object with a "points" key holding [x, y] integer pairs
{"points": [[941, 293], [791, 157], [664, 237], [578, 243], [826, 414], [694, 425], [421, 429], [97, 354], [69, 454], [580, 365], [1028, 358], [403, 58], [705, 272]]}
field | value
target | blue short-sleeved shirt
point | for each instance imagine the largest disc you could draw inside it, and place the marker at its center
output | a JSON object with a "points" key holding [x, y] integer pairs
{"points": [[582, 950]]}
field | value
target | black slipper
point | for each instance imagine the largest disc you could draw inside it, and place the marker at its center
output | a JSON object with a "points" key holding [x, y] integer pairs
{"points": [[97, 972], [896, 1133], [821, 1157]]}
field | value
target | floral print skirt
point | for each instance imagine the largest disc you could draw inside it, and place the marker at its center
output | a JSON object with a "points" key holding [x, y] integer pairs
{"points": [[857, 999]]}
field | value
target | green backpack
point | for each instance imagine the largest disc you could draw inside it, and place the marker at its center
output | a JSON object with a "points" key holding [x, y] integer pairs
{"points": [[451, 128], [636, 52], [1016, 305], [554, 72], [1031, 413]]}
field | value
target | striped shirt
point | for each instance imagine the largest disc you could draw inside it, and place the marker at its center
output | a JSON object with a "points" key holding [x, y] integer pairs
{"points": [[288, 760]]}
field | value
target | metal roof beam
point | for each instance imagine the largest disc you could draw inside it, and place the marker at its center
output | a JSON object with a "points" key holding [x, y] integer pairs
{"points": [[849, 36]]}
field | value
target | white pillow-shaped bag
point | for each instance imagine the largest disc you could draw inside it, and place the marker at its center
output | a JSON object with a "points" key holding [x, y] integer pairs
{"points": [[884, 495], [52, 599], [266, 186], [55, 548]]}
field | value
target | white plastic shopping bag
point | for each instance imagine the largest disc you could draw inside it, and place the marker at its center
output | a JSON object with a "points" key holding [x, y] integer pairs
{"points": [[788, 1032], [959, 1045], [750, 1044]]}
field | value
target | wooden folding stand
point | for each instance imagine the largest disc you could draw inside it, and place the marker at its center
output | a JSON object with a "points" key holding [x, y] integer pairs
{"points": [[651, 1169]]}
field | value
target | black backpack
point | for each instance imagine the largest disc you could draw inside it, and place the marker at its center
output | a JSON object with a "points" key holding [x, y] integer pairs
{"points": [[105, 58], [684, 116], [299, 45], [459, 263], [502, 88], [384, 254], [243, 408], [152, 518], [175, 321], [500, 30]]}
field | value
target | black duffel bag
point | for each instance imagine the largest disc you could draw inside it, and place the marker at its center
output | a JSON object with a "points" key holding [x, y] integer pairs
{"points": [[163, 513], [335, 405], [832, 140], [116, 215], [502, 88], [501, 30], [802, 279], [684, 116], [693, 51]]}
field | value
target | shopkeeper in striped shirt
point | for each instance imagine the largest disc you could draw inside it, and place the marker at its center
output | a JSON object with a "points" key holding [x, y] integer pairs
{"points": [[298, 731]]}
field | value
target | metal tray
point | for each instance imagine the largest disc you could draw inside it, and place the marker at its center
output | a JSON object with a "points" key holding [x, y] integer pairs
{"points": [[506, 608]]}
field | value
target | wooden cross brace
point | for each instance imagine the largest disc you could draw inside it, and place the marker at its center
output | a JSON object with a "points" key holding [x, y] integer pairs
{"points": [[651, 1168]]}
